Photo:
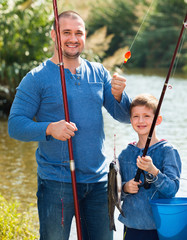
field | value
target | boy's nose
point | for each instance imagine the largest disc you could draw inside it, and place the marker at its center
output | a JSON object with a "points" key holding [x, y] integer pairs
{"points": [[141, 119]]}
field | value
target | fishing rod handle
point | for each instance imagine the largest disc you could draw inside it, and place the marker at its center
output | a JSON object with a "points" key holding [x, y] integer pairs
{"points": [[137, 176]]}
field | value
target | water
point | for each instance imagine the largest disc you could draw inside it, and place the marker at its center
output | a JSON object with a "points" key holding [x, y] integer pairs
{"points": [[17, 159]]}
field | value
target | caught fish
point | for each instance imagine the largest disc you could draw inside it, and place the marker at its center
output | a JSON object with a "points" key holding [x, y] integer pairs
{"points": [[114, 191]]}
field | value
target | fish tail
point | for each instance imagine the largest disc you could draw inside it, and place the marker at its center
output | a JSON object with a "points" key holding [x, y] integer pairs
{"points": [[112, 227]]}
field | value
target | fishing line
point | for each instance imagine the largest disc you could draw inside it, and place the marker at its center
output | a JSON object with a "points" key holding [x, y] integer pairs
{"points": [[179, 53], [183, 178], [141, 24], [128, 53]]}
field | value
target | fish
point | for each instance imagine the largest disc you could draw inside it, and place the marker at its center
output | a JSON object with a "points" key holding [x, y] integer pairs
{"points": [[114, 192]]}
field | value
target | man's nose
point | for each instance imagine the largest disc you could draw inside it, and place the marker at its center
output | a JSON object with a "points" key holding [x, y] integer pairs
{"points": [[73, 37]]}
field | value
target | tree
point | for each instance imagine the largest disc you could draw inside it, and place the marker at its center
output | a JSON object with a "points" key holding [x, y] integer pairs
{"points": [[156, 44], [119, 18], [24, 40]]}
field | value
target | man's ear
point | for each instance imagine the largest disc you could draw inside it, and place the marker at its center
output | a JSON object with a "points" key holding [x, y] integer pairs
{"points": [[159, 120], [53, 35]]}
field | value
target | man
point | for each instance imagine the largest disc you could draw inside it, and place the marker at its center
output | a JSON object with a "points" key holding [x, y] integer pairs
{"points": [[39, 95]]}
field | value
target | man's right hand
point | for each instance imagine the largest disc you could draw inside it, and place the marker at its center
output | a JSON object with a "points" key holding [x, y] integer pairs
{"points": [[61, 130]]}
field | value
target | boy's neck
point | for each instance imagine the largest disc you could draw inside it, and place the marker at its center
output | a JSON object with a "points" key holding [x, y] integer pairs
{"points": [[143, 139]]}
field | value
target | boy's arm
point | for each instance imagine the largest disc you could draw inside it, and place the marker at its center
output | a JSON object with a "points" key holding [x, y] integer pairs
{"points": [[167, 182]]}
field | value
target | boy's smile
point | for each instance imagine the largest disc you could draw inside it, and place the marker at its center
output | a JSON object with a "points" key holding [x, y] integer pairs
{"points": [[141, 119]]}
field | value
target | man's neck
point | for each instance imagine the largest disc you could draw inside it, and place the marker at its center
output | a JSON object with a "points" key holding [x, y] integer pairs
{"points": [[70, 64]]}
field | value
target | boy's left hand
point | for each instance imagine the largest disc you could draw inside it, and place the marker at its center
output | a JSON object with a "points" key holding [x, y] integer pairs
{"points": [[146, 164]]}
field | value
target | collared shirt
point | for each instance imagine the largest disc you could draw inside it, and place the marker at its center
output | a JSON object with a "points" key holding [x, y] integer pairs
{"points": [[136, 207], [39, 95]]}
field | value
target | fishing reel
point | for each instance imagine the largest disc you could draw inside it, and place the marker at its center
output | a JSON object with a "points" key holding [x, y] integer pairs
{"points": [[148, 179]]}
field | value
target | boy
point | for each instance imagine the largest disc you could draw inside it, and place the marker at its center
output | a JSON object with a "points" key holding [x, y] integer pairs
{"points": [[162, 161]]}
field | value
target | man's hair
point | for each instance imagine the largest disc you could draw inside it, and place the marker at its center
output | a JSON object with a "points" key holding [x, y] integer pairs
{"points": [[146, 100], [67, 14]]}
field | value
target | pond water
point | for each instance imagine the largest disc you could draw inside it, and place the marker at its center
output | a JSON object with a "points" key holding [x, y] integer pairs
{"points": [[17, 159]]}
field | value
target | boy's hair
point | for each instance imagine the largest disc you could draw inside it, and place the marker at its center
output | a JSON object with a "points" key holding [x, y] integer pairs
{"points": [[146, 100], [67, 14]]}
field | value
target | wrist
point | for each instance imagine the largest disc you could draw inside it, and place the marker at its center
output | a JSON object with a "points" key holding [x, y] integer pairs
{"points": [[124, 188], [48, 130], [154, 171], [118, 98]]}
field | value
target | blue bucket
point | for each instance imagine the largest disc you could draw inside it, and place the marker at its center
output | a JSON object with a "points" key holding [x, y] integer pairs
{"points": [[170, 216]]}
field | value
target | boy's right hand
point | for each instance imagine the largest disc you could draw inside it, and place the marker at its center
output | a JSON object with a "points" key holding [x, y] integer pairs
{"points": [[131, 186]]}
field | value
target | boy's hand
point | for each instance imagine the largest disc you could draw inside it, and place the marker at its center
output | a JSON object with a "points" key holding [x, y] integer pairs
{"points": [[146, 164], [131, 186]]}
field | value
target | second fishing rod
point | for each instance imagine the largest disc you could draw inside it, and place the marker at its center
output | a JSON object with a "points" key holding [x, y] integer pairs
{"points": [[148, 178]]}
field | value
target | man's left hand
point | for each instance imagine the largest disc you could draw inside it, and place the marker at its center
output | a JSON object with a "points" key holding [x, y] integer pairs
{"points": [[118, 84]]}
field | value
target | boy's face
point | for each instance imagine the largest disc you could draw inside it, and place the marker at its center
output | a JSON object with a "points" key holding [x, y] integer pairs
{"points": [[141, 119]]}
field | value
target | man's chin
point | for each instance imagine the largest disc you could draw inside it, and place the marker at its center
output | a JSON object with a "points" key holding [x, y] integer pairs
{"points": [[71, 56]]}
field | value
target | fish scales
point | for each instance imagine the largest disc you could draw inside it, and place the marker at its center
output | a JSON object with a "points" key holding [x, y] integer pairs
{"points": [[114, 192]]}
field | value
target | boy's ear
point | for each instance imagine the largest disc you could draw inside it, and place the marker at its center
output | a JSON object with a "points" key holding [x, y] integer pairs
{"points": [[159, 120]]}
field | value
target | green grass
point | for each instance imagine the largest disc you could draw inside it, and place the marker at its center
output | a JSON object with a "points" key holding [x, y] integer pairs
{"points": [[14, 224]]}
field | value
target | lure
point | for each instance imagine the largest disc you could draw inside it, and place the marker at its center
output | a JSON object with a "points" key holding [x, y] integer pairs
{"points": [[127, 56]]}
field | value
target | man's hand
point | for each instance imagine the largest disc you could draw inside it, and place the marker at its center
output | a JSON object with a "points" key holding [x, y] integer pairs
{"points": [[61, 130], [118, 84]]}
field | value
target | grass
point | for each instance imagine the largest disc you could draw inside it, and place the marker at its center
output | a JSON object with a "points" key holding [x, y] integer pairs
{"points": [[13, 224]]}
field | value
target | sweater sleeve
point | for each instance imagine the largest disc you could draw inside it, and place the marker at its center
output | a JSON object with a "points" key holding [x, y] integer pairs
{"points": [[21, 123], [168, 177]]}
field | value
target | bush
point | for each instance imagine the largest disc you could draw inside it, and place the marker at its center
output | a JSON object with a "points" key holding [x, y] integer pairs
{"points": [[24, 40], [15, 225]]}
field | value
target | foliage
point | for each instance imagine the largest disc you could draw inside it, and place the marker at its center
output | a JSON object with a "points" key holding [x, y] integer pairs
{"points": [[24, 41], [14, 225], [119, 19], [156, 44]]}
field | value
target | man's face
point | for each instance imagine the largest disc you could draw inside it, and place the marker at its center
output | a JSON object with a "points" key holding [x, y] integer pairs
{"points": [[73, 36]]}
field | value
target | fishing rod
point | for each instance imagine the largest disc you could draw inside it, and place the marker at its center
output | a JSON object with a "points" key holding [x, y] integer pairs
{"points": [[149, 178], [67, 118]]}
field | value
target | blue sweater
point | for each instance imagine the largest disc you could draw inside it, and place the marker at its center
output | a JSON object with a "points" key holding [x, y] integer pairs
{"points": [[39, 96], [136, 207]]}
